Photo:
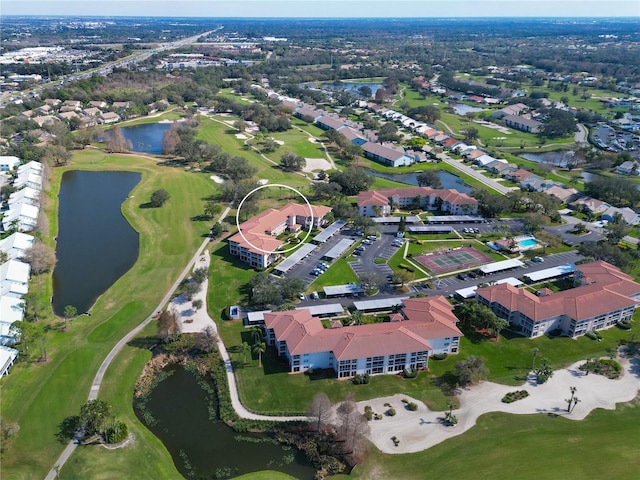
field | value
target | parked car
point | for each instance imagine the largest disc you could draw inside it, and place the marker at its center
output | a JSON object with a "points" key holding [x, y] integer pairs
{"points": [[372, 238], [462, 276], [301, 296], [473, 274], [360, 248], [537, 259], [367, 242], [314, 295]]}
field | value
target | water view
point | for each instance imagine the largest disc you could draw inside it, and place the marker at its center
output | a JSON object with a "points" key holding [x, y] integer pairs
{"points": [[206, 448], [95, 243], [462, 108], [448, 180], [559, 159], [147, 137]]}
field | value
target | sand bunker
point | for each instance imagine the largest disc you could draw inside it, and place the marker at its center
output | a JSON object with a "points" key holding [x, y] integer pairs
{"points": [[216, 179]]}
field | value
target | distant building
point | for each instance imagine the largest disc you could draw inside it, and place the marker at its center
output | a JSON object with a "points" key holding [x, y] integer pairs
{"points": [[523, 124], [375, 203], [603, 296], [256, 242]]}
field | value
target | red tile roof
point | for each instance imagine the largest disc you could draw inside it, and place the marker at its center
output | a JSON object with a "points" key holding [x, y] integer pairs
{"points": [[380, 197], [426, 318], [609, 291]]}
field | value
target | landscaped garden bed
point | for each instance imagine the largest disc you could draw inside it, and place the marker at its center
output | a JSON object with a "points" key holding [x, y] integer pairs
{"points": [[602, 366], [515, 396]]}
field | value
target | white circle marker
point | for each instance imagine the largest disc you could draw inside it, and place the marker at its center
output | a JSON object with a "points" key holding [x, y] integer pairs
{"points": [[267, 186]]}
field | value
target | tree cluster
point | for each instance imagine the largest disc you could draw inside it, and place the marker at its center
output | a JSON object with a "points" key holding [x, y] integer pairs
{"points": [[352, 180], [614, 190], [470, 371], [266, 290], [291, 162], [479, 317]]}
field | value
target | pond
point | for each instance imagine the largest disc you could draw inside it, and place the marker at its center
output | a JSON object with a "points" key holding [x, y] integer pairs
{"points": [[461, 109], [207, 448], [559, 158], [95, 243], [147, 137], [449, 180]]}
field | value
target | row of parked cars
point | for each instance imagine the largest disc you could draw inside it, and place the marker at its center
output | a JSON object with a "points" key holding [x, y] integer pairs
{"points": [[320, 269], [471, 230]]}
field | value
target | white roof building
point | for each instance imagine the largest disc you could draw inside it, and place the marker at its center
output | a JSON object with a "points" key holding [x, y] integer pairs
{"points": [[28, 178], [11, 310], [25, 215], [14, 278], [32, 166], [15, 245], [8, 163], [7, 358], [27, 195]]}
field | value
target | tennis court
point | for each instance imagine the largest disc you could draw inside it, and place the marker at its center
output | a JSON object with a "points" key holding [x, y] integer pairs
{"points": [[456, 259]]}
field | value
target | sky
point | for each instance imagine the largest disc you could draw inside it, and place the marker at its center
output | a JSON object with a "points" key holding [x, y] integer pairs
{"points": [[326, 8]]}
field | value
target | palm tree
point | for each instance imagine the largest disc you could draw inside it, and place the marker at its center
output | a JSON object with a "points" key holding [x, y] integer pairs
{"points": [[259, 348], [245, 349], [575, 402], [256, 334], [569, 401]]}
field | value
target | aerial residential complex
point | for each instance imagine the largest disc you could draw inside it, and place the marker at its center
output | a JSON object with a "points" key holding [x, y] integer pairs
{"points": [[602, 297], [424, 326], [378, 203], [256, 243]]}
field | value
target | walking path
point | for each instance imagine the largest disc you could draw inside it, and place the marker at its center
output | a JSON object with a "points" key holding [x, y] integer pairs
{"points": [[498, 187], [423, 428], [97, 381]]}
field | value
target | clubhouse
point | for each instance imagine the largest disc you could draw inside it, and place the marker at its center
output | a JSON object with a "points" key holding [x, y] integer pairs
{"points": [[602, 296], [257, 244], [378, 203], [423, 327]]}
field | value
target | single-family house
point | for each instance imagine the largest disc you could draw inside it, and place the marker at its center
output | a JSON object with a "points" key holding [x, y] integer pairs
{"points": [[471, 155], [77, 104], [564, 194], [484, 160], [14, 278], [522, 123], [27, 114], [590, 205], [99, 104], [451, 143], [626, 214], [628, 168], [501, 167], [68, 115], [515, 109], [387, 154], [440, 138], [120, 105], [44, 110], [8, 163], [16, 245], [44, 119], [256, 242], [518, 176], [602, 297], [108, 117], [533, 183], [92, 112], [425, 326], [53, 102]]}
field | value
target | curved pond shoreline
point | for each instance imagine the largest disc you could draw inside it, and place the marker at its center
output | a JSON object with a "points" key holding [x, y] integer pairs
{"points": [[95, 245]]}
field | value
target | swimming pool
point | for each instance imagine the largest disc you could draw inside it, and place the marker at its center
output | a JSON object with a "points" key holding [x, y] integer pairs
{"points": [[527, 242]]}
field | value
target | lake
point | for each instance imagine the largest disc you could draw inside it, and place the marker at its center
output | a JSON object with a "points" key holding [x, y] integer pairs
{"points": [[448, 180], [207, 448], [95, 243], [147, 137], [462, 108], [559, 158]]}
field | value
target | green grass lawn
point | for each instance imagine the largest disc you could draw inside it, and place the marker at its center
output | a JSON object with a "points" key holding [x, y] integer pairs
{"points": [[220, 134], [526, 447], [297, 142], [39, 396], [339, 273]]}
